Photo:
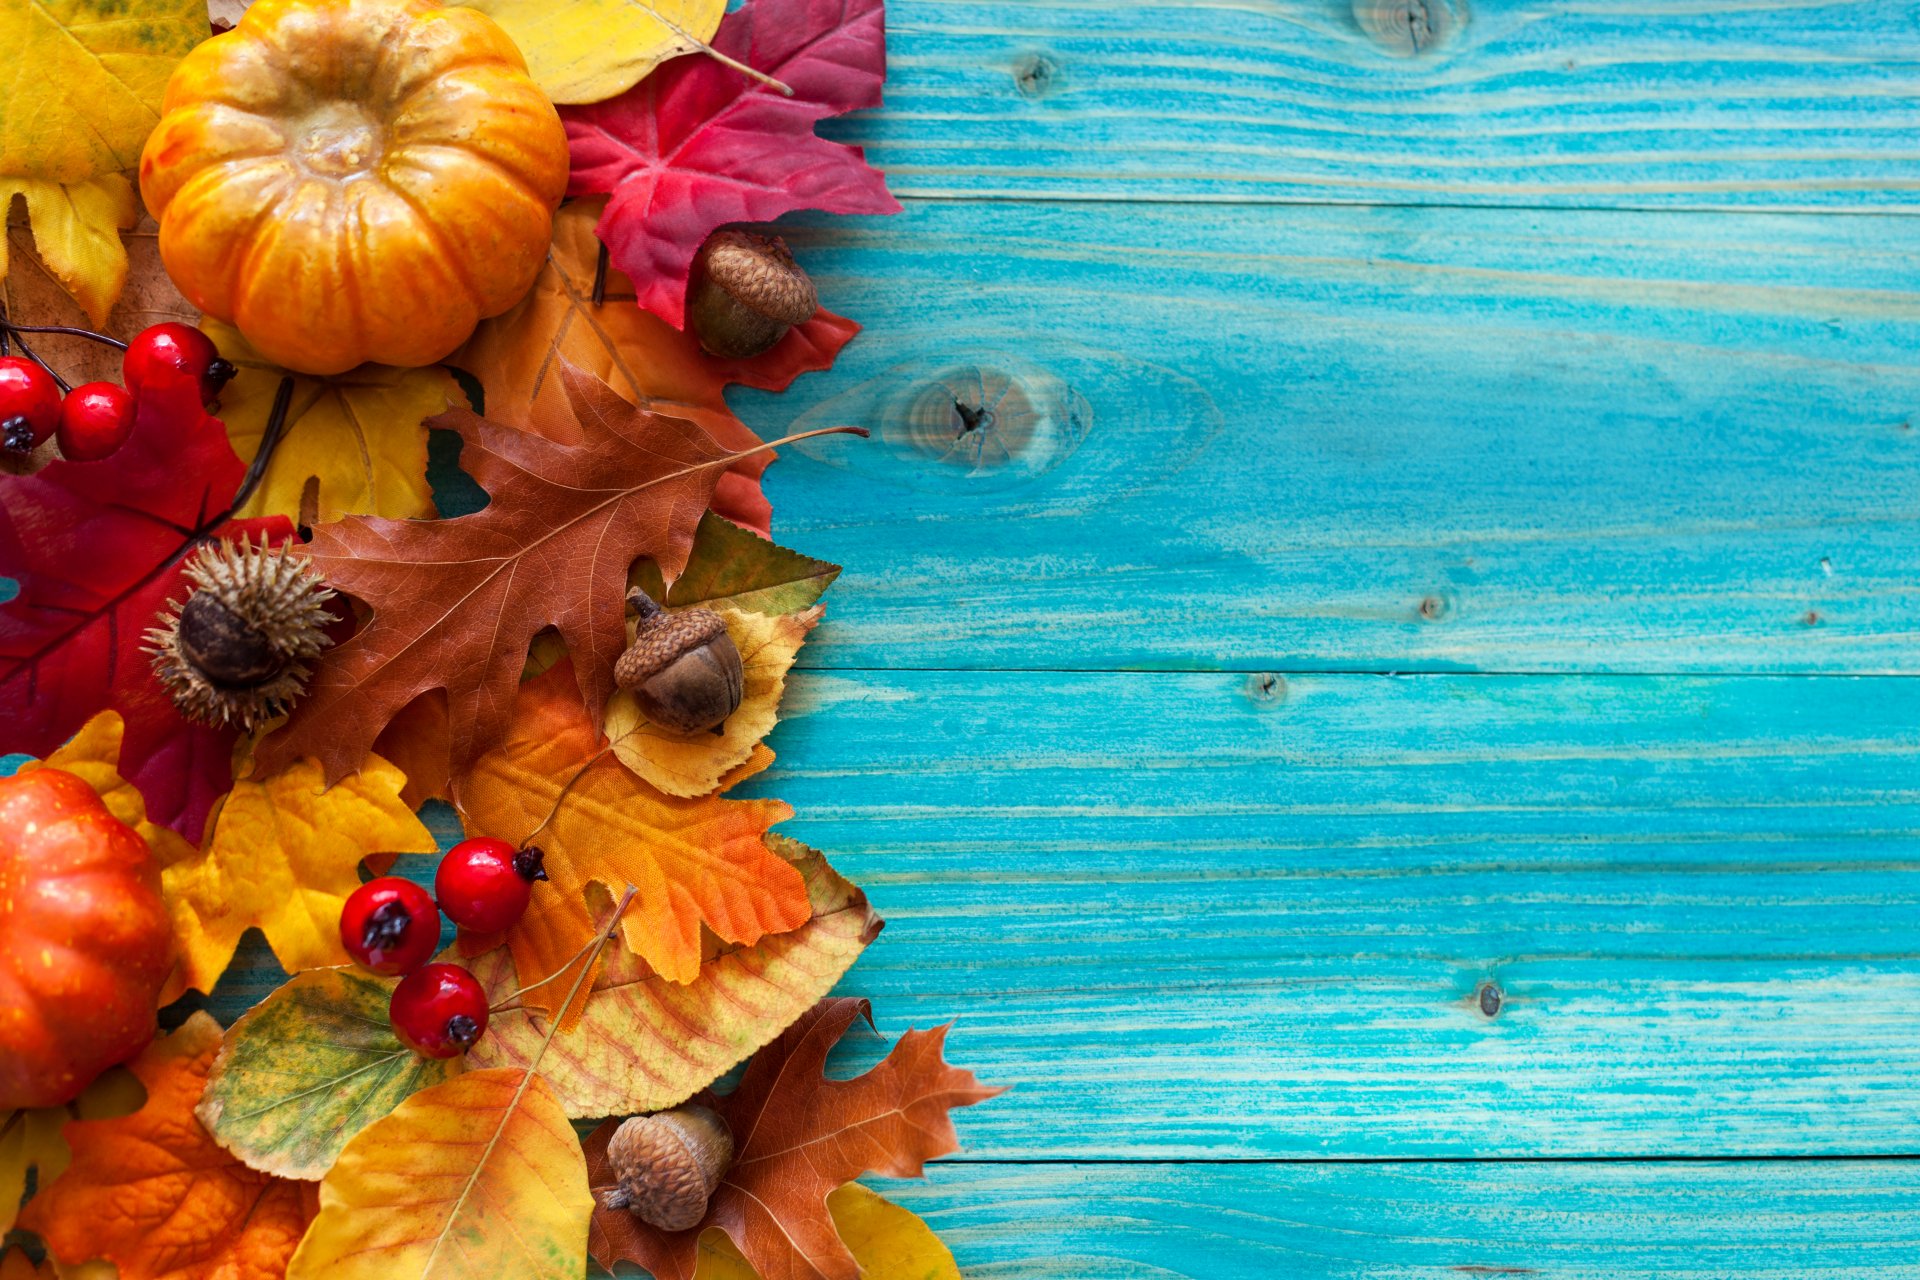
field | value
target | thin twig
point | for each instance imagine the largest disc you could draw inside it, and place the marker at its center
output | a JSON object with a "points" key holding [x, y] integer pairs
{"points": [[600, 276], [34, 356], [269, 441], [66, 330]]}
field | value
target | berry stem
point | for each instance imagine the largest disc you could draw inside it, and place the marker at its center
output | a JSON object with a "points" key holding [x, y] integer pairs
{"points": [[269, 441], [66, 330], [34, 356]]}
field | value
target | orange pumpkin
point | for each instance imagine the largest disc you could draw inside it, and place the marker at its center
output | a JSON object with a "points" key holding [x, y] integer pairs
{"points": [[354, 180], [84, 939]]}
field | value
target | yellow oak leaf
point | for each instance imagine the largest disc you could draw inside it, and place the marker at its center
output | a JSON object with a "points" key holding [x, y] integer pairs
{"points": [[591, 50], [283, 856], [83, 81], [475, 1178], [32, 1139], [693, 862], [154, 1195], [76, 235], [885, 1239], [682, 764], [362, 434], [643, 1043]]}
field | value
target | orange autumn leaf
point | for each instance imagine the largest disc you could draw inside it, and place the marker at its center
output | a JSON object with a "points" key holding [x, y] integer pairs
{"points": [[644, 359], [694, 862], [155, 1195]]}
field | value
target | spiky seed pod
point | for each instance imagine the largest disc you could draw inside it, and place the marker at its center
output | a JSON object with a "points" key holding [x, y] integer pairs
{"points": [[235, 651], [746, 292], [668, 1165], [682, 668]]}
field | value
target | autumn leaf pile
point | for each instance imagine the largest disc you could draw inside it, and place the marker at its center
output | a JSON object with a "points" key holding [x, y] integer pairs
{"points": [[678, 934]]}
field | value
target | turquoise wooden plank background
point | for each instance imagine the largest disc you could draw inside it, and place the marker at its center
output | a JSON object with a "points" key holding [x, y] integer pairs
{"points": [[1398, 739]]}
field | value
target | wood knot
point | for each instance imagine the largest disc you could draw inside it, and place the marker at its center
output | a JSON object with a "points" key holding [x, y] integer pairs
{"points": [[1434, 608], [1036, 76], [1489, 998], [1266, 688], [1408, 28], [983, 418]]}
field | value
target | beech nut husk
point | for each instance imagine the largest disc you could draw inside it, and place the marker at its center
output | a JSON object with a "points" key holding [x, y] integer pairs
{"points": [[668, 1165], [682, 668], [745, 292]]}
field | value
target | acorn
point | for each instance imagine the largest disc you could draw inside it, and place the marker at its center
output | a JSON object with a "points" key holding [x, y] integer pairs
{"points": [[235, 651], [682, 668], [668, 1165], [746, 291]]}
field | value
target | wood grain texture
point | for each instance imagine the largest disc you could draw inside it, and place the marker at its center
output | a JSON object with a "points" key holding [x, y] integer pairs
{"points": [[1387, 439], [1608, 103]]}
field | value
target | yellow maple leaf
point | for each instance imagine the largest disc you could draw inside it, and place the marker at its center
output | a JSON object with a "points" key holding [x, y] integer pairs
{"points": [[683, 764], [693, 862], [590, 50], [76, 233], [84, 81], [886, 1240], [362, 435], [283, 856]]}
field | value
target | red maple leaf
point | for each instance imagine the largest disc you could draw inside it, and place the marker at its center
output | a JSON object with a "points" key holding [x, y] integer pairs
{"points": [[97, 549], [798, 1136], [697, 144]]}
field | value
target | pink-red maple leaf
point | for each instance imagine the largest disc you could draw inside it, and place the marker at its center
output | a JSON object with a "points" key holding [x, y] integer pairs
{"points": [[97, 549], [697, 144]]}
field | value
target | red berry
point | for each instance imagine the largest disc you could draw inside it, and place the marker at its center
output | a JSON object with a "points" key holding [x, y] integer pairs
{"points": [[29, 404], [95, 420], [485, 884], [390, 926], [175, 346], [439, 1010]]}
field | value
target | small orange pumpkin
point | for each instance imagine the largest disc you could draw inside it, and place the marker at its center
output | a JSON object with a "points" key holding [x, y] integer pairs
{"points": [[354, 180], [84, 939]]}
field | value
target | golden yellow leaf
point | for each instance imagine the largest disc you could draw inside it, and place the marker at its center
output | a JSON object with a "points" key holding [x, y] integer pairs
{"points": [[283, 857], [689, 765], [84, 80], [93, 756], [476, 1178], [362, 434], [887, 1241], [591, 50], [76, 233]]}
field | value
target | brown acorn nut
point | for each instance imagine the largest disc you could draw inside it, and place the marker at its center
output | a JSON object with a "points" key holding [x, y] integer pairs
{"points": [[668, 1165], [746, 291], [682, 668]]}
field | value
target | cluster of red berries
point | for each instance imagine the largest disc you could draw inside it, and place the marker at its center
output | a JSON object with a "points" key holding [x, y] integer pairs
{"points": [[94, 419], [391, 927]]}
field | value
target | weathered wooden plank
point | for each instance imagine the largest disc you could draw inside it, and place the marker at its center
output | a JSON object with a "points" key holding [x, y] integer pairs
{"points": [[1805, 104], [1392, 439], [1851, 1220]]}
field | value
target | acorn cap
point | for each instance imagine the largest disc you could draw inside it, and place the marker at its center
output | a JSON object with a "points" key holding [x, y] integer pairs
{"points": [[759, 272], [668, 1165]]}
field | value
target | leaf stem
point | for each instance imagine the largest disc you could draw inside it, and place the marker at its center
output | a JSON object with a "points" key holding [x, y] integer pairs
{"points": [[719, 57], [555, 976], [578, 774]]}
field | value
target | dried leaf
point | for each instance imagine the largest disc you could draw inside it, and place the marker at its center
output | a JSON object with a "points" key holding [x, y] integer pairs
{"points": [[698, 145], [797, 1137], [153, 1193], [283, 856], [890, 1243], [587, 50], [645, 360], [98, 549], [644, 1043], [731, 568], [693, 861], [683, 764], [475, 1178], [76, 235], [456, 602], [362, 435], [33, 1139], [306, 1069], [85, 81]]}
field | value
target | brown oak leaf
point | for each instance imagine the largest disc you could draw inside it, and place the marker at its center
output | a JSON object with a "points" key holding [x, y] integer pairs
{"points": [[456, 602], [797, 1137], [155, 1195]]}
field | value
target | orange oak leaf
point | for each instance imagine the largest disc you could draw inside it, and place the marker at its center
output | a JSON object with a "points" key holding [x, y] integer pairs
{"points": [[155, 1195], [644, 359], [798, 1137], [456, 602], [694, 862]]}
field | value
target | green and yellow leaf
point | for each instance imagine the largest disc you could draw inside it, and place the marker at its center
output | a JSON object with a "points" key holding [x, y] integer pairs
{"points": [[886, 1240], [76, 234], [734, 568], [309, 1067]]}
